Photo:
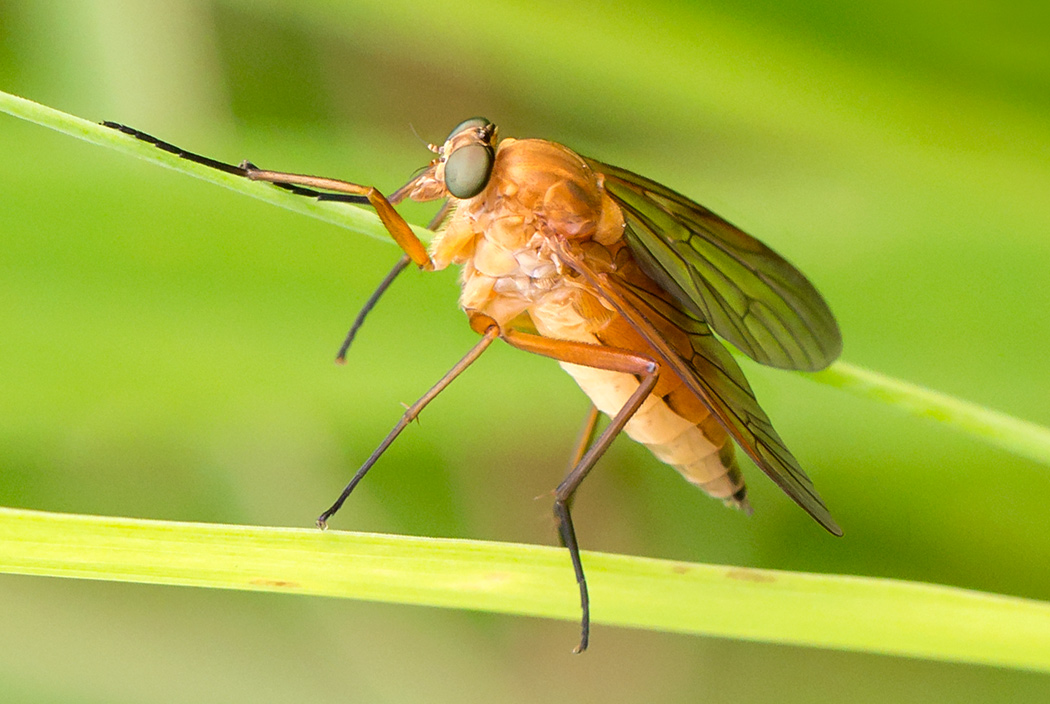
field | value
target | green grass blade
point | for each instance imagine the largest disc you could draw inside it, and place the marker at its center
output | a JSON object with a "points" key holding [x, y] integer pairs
{"points": [[830, 611], [999, 429]]}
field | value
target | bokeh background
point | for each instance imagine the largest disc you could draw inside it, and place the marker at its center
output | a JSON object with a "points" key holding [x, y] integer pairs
{"points": [[167, 346]]}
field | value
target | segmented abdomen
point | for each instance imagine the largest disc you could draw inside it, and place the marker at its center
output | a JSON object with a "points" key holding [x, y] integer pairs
{"points": [[697, 447], [672, 422]]}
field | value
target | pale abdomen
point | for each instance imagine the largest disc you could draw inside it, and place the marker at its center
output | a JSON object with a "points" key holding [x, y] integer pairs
{"points": [[672, 422], [703, 457]]}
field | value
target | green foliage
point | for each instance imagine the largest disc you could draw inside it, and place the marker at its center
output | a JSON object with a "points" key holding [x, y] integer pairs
{"points": [[843, 612]]}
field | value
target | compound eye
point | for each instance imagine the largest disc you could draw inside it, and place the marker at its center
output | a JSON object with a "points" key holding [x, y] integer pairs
{"points": [[471, 124], [467, 170]]}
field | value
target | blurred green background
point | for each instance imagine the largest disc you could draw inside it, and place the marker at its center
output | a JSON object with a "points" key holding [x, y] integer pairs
{"points": [[167, 345]]}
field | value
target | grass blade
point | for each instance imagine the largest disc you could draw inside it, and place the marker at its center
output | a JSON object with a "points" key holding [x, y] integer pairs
{"points": [[999, 429], [830, 611]]}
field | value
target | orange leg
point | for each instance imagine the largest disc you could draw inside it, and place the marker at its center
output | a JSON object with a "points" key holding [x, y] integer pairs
{"points": [[612, 359], [242, 169], [395, 224], [343, 192]]}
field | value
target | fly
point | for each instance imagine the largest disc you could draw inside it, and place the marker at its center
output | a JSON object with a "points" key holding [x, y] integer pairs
{"points": [[620, 279]]}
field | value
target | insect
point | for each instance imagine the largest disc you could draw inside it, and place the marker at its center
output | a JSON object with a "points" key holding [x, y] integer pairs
{"points": [[621, 280]]}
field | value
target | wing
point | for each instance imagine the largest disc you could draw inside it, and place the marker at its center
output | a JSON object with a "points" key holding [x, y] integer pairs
{"points": [[743, 289], [708, 369]]}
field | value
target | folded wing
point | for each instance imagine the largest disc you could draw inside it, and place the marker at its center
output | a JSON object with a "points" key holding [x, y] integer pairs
{"points": [[744, 290]]}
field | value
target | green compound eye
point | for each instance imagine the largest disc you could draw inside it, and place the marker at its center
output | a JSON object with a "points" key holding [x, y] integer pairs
{"points": [[467, 170], [472, 123]]}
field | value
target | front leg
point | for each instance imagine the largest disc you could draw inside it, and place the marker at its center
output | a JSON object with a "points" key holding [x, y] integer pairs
{"points": [[384, 207], [392, 220]]}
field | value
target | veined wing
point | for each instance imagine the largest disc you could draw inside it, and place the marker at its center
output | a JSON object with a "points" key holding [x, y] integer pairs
{"points": [[743, 289], [710, 371]]}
